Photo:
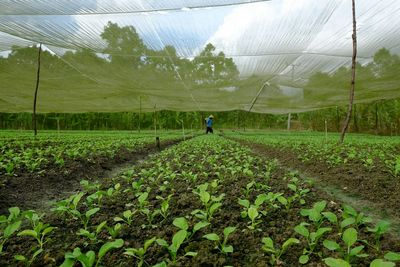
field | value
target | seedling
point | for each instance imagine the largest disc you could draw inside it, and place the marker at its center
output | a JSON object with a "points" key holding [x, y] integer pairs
{"points": [[380, 229], [39, 232], [349, 238], [210, 203], [222, 246], [26, 261], [276, 253], [312, 239], [89, 258], [353, 217], [164, 210], [248, 188], [177, 241], [9, 225], [139, 253], [127, 217], [92, 236], [182, 224], [315, 214]]}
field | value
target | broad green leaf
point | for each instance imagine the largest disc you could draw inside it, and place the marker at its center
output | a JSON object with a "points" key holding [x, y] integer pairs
{"points": [[68, 263], [355, 251], [330, 216], [48, 230], [181, 223], [162, 242], [319, 206], [331, 262], [347, 222], [244, 202], [127, 213], [191, 254], [110, 245], [148, 243], [199, 226], [350, 236], [253, 213], [349, 210], [204, 197], [292, 187], [28, 233], [14, 213], [282, 200], [227, 249], [89, 259], [161, 264], [178, 238], [77, 198], [260, 199], [101, 226], [381, 263], [10, 229], [392, 256], [142, 198], [229, 230], [289, 242], [268, 242], [91, 212], [331, 245], [212, 237], [20, 258], [302, 230], [304, 259], [321, 231], [214, 207]]}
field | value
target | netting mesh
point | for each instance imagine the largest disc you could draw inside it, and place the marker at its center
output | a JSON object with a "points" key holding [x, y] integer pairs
{"points": [[273, 56]]}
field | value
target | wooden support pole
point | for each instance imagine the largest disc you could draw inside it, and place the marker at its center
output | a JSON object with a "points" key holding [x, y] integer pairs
{"points": [[140, 110], [353, 74], [36, 92], [289, 118]]}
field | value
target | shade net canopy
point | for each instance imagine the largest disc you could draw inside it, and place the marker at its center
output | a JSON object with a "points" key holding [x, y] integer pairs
{"points": [[274, 56]]}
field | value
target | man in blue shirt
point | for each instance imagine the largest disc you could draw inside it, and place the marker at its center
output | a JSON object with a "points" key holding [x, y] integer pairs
{"points": [[209, 122]]}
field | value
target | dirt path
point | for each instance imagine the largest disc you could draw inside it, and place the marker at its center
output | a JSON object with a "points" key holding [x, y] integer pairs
{"points": [[35, 191], [370, 192]]}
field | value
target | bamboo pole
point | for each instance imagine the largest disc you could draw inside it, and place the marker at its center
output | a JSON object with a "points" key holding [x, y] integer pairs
{"points": [[36, 92], [353, 74]]}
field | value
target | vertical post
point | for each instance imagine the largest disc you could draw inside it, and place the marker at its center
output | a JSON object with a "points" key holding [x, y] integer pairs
{"points": [[183, 130], [155, 128], [36, 91], [289, 118], [326, 131], [140, 110], [353, 74], [337, 119]]}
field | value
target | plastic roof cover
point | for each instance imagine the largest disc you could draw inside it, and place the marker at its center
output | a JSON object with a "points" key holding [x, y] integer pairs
{"points": [[277, 46]]}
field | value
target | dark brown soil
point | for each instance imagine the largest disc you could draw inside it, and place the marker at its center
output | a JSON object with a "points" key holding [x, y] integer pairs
{"points": [[278, 223], [33, 190], [376, 186]]}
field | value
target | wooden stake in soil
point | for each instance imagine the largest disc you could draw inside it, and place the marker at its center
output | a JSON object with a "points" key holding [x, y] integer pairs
{"points": [[36, 91], [353, 74], [140, 110]]}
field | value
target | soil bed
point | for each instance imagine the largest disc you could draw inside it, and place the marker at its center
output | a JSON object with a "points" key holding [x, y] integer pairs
{"points": [[33, 190], [376, 187]]}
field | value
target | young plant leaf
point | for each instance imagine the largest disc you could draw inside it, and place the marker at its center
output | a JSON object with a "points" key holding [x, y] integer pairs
{"points": [[331, 262]]}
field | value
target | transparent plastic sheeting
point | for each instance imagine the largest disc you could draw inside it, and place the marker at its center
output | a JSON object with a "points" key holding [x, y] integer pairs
{"points": [[277, 48]]}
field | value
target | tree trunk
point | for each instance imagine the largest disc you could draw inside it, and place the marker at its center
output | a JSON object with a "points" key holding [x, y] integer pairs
{"points": [[353, 74]]}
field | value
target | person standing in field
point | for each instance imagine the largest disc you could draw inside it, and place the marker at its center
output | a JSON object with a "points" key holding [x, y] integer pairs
{"points": [[209, 123]]}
